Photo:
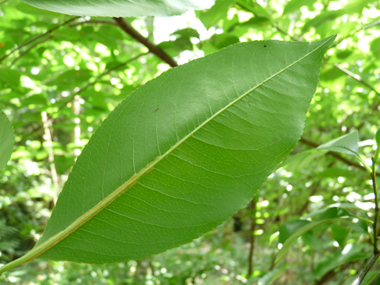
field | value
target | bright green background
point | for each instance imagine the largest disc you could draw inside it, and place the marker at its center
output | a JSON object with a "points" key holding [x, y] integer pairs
{"points": [[341, 104]]}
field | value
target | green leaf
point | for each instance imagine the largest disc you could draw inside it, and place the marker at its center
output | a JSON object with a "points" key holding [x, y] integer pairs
{"points": [[375, 46], [254, 7], [272, 275], [183, 153], [223, 40], [349, 253], [370, 277], [71, 77], [295, 5], [340, 234], [321, 18], [336, 172], [120, 8], [289, 228], [7, 139], [313, 242], [377, 152], [301, 160], [377, 282], [186, 33], [356, 6], [327, 216], [216, 13], [348, 144], [10, 76]]}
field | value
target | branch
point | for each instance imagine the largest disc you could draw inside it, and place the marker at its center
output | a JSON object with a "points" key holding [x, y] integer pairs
{"points": [[37, 37], [252, 238], [371, 25], [127, 27], [375, 233], [94, 22], [357, 78], [361, 81], [365, 270]]}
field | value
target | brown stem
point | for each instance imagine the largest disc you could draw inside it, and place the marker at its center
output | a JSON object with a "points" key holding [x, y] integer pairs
{"points": [[94, 22], [127, 27], [374, 186], [371, 261], [37, 37], [252, 238]]}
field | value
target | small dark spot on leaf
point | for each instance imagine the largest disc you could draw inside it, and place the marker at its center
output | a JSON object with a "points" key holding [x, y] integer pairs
{"points": [[265, 45], [156, 110], [284, 61]]}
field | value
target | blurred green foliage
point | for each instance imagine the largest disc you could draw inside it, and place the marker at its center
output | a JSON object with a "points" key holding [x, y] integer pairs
{"points": [[58, 88]]}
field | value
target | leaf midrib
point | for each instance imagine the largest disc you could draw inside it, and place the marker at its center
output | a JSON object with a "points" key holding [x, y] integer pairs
{"points": [[35, 252]]}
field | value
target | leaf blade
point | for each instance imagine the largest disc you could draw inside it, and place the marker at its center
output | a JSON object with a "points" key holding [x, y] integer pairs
{"points": [[7, 139], [175, 143], [329, 215], [348, 144], [119, 8]]}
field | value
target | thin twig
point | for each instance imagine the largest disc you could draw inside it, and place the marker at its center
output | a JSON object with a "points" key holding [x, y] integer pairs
{"points": [[371, 25], [30, 48], [127, 27], [375, 232], [37, 37], [357, 78], [94, 22], [376, 251], [252, 238]]}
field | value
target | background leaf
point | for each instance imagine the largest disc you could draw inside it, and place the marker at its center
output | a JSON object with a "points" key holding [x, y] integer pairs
{"points": [[349, 253], [7, 139], [348, 144], [120, 8], [184, 152], [327, 216], [295, 5]]}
